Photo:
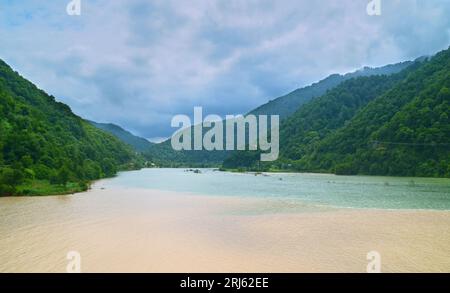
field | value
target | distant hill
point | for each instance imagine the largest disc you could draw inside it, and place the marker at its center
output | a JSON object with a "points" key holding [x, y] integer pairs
{"points": [[138, 143], [395, 125], [162, 154], [45, 148]]}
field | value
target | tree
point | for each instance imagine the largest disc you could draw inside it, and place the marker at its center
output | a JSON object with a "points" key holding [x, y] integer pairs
{"points": [[62, 176], [9, 180]]}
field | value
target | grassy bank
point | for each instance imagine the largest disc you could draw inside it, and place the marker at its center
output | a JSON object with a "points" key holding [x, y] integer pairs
{"points": [[21, 186], [44, 188]]}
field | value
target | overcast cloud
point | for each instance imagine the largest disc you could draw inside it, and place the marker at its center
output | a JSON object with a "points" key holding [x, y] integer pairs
{"points": [[137, 63]]}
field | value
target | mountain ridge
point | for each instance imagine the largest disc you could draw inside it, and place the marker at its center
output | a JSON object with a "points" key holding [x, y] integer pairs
{"points": [[287, 105], [140, 144]]}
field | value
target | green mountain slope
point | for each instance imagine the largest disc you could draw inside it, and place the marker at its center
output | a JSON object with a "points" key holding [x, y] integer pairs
{"points": [[382, 125], [403, 132], [45, 148], [320, 117], [138, 143], [287, 105], [324, 115]]}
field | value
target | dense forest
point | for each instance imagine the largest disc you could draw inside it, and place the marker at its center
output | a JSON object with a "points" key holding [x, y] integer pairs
{"points": [[45, 148], [405, 131], [382, 125]]}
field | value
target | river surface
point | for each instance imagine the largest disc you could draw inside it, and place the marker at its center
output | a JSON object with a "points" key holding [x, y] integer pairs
{"points": [[173, 220], [318, 189]]}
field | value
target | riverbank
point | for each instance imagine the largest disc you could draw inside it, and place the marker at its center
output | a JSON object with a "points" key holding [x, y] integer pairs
{"points": [[45, 188], [38, 187], [324, 172], [142, 230]]}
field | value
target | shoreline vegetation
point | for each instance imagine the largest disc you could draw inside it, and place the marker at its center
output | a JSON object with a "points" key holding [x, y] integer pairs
{"points": [[39, 188], [42, 188], [36, 187]]}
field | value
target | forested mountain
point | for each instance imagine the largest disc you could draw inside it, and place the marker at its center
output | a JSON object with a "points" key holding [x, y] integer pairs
{"points": [[404, 132], [287, 105], [138, 143], [284, 106], [380, 125], [324, 115], [45, 148]]}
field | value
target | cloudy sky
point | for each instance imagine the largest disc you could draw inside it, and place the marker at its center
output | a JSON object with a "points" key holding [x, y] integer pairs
{"points": [[137, 63]]}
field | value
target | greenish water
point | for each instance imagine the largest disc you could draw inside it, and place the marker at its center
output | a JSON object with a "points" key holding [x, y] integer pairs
{"points": [[317, 189]]}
